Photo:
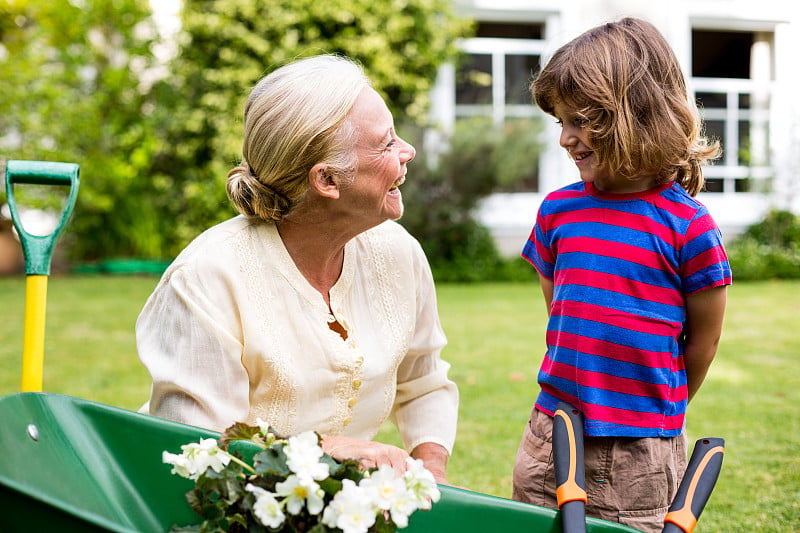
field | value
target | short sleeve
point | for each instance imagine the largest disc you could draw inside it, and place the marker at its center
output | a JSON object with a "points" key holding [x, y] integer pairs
{"points": [[537, 250], [704, 262]]}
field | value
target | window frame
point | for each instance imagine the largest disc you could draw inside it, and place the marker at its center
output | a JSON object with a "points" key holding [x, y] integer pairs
{"points": [[498, 48]]}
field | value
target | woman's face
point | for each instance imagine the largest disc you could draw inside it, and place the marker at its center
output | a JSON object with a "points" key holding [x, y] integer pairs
{"points": [[382, 158]]}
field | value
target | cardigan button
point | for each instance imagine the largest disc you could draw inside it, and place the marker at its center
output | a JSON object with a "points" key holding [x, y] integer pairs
{"points": [[351, 402], [346, 421], [356, 384]]}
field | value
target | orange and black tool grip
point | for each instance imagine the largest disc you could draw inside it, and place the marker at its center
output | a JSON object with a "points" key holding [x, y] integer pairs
{"points": [[568, 463], [696, 487]]}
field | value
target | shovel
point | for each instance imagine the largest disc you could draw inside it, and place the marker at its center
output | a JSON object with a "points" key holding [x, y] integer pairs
{"points": [[38, 252]]}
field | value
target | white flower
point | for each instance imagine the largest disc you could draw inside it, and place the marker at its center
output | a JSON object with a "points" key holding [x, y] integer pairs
{"points": [[403, 505], [299, 492], [383, 487], [351, 510], [197, 458], [267, 509], [180, 464], [263, 426], [420, 481], [303, 455], [354, 509], [390, 493]]}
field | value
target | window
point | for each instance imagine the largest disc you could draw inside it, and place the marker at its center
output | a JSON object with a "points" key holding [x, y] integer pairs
{"points": [[731, 77], [721, 54], [493, 77]]}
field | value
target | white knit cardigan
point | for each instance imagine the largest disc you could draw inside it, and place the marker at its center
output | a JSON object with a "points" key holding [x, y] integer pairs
{"points": [[234, 332]]}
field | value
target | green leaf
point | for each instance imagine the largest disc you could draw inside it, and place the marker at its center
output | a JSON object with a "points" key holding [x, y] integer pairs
{"points": [[238, 431], [383, 524], [330, 485], [334, 466], [271, 461]]}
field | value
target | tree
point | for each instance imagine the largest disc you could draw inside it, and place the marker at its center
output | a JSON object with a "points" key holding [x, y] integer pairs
{"points": [[444, 194], [78, 86], [75, 89], [226, 46]]}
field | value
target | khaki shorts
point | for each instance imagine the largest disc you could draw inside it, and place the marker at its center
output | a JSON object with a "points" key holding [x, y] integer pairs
{"points": [[631, 481]]}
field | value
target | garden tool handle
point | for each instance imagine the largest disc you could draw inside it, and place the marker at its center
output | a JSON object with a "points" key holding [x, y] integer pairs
{"points": [[38, 252], [569, 468], [38, 249], [696, 487]]}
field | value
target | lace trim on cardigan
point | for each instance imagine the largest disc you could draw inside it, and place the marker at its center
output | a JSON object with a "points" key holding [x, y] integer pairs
{"points": [[391, 307], [282, 391]]}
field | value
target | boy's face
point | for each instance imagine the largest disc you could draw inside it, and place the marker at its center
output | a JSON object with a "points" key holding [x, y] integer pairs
{"points": [[575, 140]]}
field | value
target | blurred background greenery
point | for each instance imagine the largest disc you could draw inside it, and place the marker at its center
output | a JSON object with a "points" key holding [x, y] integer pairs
{"points": [[155, 122]]}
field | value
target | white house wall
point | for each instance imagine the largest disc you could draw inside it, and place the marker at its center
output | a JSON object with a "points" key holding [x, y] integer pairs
{"points": [[511, 216]]}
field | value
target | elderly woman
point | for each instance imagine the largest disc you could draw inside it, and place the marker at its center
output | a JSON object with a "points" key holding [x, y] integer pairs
{"points": [[313, 309]]}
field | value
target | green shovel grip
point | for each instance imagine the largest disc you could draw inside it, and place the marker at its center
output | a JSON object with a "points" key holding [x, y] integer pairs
{"points": [[38, 249]]}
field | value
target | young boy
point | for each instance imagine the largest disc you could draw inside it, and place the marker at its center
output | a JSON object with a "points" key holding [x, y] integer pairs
{"points": [[632, 269]]}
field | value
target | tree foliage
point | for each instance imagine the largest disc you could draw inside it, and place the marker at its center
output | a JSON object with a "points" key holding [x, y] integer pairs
{"points": [[77, 86], [74, 81], [443, 195], [228, 45]]}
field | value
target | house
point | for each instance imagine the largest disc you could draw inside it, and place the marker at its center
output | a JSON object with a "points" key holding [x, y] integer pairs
{"points": [[740, 58]]}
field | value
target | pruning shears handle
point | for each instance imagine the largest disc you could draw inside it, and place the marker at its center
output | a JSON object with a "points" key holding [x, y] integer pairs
{"points": [[696, 487], [569, 468]]}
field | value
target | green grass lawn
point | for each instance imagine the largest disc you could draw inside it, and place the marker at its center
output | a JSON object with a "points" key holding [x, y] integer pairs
{"points": [[496, 334]]}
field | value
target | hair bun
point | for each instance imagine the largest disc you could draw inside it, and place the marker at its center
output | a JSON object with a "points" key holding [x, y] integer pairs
{"points": [[252, 197]]}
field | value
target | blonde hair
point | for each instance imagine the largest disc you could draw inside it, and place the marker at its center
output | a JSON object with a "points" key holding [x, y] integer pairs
{"points": [[625, 81], [295, 118]]}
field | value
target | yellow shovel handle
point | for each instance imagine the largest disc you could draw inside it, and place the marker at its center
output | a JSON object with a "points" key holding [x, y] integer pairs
{"points": [[33, 335]]}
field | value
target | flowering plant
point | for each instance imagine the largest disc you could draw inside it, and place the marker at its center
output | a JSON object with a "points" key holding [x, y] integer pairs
{"points": [[292, 486]]}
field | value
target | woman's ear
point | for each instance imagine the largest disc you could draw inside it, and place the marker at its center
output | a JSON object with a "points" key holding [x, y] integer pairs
{"points": [[322, 181]]}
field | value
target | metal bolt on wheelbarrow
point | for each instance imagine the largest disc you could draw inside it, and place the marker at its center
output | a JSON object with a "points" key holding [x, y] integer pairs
{"points": [[38, 251]]}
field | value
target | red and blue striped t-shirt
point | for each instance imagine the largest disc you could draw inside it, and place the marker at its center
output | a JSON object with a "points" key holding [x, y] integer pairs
{"points": [[621, 265]]}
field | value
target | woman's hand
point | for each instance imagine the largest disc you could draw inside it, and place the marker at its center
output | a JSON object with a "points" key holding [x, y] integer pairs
{"points": [[370, 454], [434, 456], [374, 454]]}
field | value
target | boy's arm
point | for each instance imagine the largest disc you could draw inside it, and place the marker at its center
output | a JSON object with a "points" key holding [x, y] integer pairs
{"points": [[704, 314]]}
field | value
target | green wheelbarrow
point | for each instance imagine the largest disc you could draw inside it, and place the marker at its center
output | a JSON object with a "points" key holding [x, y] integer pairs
{"points": [[74, 465]]}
